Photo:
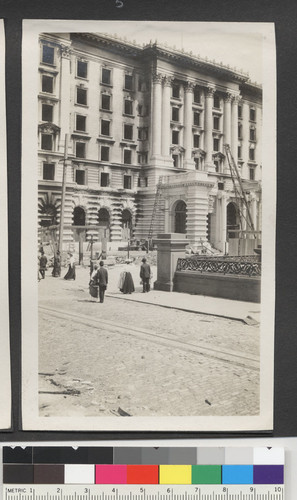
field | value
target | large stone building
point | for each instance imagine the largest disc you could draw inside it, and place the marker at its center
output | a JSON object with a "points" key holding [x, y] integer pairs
{"points": [[137, 117]]}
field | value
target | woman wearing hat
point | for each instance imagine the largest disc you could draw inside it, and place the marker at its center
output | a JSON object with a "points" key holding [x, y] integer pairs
{"points": [[70, 275], [126, 284]]}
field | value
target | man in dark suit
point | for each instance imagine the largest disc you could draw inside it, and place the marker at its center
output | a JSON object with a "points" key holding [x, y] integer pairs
{"points": [[145, 274], [102, 280]]}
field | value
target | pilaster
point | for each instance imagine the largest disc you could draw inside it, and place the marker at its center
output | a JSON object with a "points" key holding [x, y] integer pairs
{"points": [[234, 130], [157, 115], [64, 114], [208, 129], [188, 120], [227, 126]]}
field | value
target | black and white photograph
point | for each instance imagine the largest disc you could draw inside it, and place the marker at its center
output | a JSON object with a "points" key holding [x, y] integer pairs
{"points": [[148, 225], [5, 389]]}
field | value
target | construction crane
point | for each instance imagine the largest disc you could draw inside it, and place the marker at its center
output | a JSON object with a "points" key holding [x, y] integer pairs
{"points": [[239, 190]]}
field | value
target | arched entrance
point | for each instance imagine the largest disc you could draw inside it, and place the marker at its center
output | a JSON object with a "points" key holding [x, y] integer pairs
{"points": [[233, 224], [104, 224], [48, 214], [79, 232], [126, 225], [180, 217]]}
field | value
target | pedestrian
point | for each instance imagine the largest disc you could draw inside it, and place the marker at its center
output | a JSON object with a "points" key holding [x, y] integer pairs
{"points": [[42, 264], [145, 274], [102, 280], [93, 285], [57, 265], [126, 284], [70, 275]]}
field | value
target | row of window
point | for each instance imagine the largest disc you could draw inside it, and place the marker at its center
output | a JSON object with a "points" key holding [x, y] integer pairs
{"points": [[80, 177]]}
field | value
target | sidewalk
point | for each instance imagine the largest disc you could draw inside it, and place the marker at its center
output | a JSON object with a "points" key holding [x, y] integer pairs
{"points": [[249, 312]]}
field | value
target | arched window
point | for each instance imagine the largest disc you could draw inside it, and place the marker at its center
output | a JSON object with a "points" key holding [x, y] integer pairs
{"points": [[48, 215], [103, 217], [126, 224], [180, 217], [79, 217], [232, 220]]}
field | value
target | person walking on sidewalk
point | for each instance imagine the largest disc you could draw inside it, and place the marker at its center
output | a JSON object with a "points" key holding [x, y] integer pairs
{"points": [[145, 274], [102, 280], [42, 265]]}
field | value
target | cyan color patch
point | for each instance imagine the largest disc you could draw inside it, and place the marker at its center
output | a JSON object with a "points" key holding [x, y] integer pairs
{"points": [[237, 474]]}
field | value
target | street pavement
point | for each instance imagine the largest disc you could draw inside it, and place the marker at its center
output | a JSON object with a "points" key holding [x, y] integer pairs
{"points": [[143, 355]]}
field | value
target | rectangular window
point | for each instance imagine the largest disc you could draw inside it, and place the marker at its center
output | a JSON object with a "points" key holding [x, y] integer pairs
{"points": [[127, 156], [239, 111], [252, 174], [104, 179], [196, 140], [105, 102], [47, 113], [251, 154], [127, 181], [47, 142], [105, 127], [106, 76], [216, 102], [128, 82], [81, 96], [239, 152], [140, 109], [196, 161], [104, 153], [175, 114], [176, 90], [252, 114], [80, 177], [143, 134], [82, 69], [175, 136], [175, 161], [80, 123], [80, 150], [47, 84], [48, 54], [142, 87], [252, 134], [216, 122], [128, 132], [239, 131], [48, 171], [216, 144], [146, 182], [128, 107], [197, 95], [196, 118]]}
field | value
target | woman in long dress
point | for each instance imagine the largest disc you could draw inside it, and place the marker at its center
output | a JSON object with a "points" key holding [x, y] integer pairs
{"points": [[70, 275], [126, 284], [57, 265]]}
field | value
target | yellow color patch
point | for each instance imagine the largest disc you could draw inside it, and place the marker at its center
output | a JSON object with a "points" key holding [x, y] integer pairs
{"points": [[175, 474]]}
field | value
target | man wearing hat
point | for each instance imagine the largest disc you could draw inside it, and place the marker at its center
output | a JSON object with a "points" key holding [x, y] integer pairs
{"points": [[145, 274], [102, 280]]}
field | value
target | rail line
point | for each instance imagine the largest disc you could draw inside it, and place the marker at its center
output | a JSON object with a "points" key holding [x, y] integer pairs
{"points": [[231, 357]]}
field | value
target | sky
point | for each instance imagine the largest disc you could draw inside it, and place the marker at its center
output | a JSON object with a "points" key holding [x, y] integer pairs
{"points": [[238, 44]]}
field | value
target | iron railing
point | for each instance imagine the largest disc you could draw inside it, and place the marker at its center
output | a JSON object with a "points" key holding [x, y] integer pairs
{"points": [[240, 266]]}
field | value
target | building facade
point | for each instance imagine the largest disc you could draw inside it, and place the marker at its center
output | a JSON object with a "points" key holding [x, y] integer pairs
{"points": [[137, 118]]}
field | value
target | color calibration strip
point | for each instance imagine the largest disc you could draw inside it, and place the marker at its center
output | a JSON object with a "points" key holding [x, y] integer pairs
{"points": [[128, 465]]}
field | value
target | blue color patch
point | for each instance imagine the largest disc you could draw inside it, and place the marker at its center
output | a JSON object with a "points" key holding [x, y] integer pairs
{"points": [[237, 474]]}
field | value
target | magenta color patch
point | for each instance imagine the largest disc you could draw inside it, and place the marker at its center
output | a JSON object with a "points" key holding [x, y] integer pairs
{"points": [[111, 474]]}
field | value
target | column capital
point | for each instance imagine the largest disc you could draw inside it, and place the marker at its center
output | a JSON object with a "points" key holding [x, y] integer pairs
{"points": [[157, 77], [236, 98], [189, 87], [65, 51], [210, 90], [167, 81], [228, 97]]}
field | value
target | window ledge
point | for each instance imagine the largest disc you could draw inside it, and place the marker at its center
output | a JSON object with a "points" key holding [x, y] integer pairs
{"points": [[81, 78], [128, 116], [81, 105], [106, 84], [105, 110]]}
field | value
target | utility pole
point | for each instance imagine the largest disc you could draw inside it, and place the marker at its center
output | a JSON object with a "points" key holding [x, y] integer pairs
{"points": [[65, 163]]}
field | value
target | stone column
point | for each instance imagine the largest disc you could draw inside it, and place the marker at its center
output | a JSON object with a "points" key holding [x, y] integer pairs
{"points": [[234, 129], [64, 110], [223, 218], [166, 109], [170, 247], [208, 128], [227, 126], [188, 122], [157, 114], [245, 138]]}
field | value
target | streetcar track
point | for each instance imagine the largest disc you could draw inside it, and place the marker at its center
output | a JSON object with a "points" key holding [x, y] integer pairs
{"points": [[234, 358]]}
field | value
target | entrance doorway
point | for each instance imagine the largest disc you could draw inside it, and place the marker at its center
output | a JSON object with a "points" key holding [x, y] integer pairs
{"points": [[79, 233], [180, 217], [233, 222], [126, 225], [104, 224]]}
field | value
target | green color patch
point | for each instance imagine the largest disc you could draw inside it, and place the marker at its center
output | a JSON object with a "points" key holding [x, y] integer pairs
{"points": [[206, 474]]}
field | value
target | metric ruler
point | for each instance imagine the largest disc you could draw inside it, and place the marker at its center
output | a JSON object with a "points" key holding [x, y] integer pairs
{"points": [[143, 492]]}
